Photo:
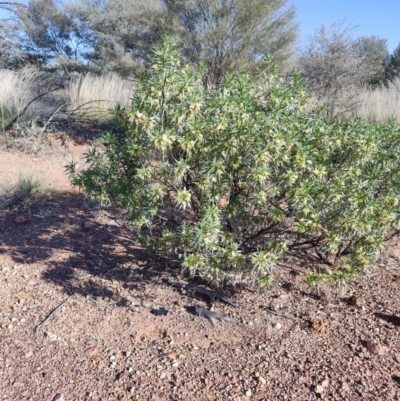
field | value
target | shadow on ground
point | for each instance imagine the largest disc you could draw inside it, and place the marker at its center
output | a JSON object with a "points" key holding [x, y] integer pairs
{"points": [[83, 248]]}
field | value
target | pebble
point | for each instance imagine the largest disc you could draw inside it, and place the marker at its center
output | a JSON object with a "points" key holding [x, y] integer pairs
{"points": [[325, 383], [20, 220], [58, 397], [319, 389], [249, 393], [262, 380], [375, 347], [277, 326], [92, 351]]}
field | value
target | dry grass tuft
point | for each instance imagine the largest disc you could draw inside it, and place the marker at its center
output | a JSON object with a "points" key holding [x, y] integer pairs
{"points": [[26, 192], [94, 97], [17, 90], [381, 104]]}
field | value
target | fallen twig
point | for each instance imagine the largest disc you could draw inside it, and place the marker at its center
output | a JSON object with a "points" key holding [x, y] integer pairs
{"points": [[210, 315], [280, 314], [51, 314]]}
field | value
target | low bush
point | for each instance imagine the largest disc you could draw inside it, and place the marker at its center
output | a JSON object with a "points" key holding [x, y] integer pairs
{"points": [[233, 179]]}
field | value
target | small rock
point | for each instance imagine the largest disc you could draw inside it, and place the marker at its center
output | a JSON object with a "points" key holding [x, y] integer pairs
{"points": [[262, 380], [147, 304], [319, 389], [345, 386], [87, 225], [58, 397], [160, 311], [325, 383], [122, 374], [318, 326], [376, 348], [163, 375], [249, 393], [277, 326], [51, 336], [20, 220], [71, 232], [354, 301], [92, 351]]}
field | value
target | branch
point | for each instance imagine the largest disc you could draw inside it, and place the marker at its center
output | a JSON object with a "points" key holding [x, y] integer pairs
{"points": [[21, 113]]}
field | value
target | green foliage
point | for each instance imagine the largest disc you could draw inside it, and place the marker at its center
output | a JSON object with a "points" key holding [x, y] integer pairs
{"points": [[233, 179]]}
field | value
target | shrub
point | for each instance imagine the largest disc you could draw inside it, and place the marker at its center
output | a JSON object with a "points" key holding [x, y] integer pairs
{"points": [[231, 180]]}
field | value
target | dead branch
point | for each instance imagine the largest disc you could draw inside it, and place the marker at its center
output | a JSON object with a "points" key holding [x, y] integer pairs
{"points": [[51, 314]]}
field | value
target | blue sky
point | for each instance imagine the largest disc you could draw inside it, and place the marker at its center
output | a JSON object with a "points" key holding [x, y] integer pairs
{"points": [[373, 17]]}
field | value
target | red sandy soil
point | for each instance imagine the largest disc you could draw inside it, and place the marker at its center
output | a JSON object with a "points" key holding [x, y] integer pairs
{"points": [[108, 341]]}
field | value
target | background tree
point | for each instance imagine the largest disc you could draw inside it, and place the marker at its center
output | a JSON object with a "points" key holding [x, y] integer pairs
{"points": [[334, 68], [120, 33], [375, 51], [392, 68], [229, 35], [222, 35], [49, 36]]}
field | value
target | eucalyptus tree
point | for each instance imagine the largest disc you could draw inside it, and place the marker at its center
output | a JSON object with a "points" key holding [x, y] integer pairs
{"points": [[228, 35], [223, 35]]}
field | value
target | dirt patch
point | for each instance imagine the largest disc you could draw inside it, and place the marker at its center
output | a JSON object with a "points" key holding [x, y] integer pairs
{"points": [[108, 341]]}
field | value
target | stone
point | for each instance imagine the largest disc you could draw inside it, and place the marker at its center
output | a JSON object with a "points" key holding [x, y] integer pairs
{"points": [[122, 374], [58, 397], [318, 326], [376, 348], [277, 326], [319, 389], [92, 351], [325, 383], [20, 220], [87, 225], [354, 301], [249, 393]]}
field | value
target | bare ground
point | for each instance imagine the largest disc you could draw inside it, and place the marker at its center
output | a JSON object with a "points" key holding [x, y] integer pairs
{"points": [[125, 334]]}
